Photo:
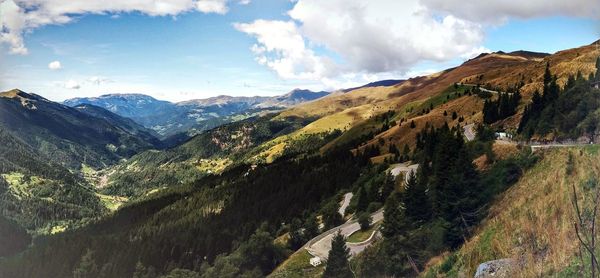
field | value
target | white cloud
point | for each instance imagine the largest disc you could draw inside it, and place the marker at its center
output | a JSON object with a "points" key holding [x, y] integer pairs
{"points": [[212, 6], [362, 39], [378, 37], [55, 65], [385, 36], [282, 48], [98, 80], [72, 84], [19, 16], [498, 11], [244, 2]]}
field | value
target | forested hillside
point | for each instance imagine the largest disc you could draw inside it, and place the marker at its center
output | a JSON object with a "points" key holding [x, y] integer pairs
{"points": [[70, 137], [38, 193], [210, 152], [243, 198], [181, 226]]}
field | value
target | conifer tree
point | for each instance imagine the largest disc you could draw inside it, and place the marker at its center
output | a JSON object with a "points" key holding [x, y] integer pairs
{"points": [[363, 200], [337, 260], [87, 267], [387, 188], [416, 201], [311, 227], [598, 69], [296, 237], [395, 232]]}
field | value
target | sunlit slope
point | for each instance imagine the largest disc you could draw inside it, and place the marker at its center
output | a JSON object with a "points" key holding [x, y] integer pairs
{"points": [[532, 222]]}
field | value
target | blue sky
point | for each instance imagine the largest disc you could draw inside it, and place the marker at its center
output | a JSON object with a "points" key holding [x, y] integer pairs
{"points": [[253, 49]]}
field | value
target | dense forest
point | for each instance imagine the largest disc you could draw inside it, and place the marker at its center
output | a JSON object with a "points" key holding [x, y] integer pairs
{"points": [[153, 169], [188, 227], [439, 206], [567, 113], [245, 216], [41, 193]]}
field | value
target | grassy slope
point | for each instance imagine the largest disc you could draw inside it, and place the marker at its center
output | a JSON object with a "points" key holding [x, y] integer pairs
{"points": [[532, 221], [353, 111]]}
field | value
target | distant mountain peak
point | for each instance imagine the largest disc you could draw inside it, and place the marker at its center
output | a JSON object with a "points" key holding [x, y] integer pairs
{"points": [[16, 93], [27, 100], [384, 83]]}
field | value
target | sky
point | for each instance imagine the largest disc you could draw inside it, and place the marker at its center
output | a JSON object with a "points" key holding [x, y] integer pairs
{"points": [[189, 49]]}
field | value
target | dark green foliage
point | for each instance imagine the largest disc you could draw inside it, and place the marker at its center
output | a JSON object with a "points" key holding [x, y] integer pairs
{"points": [[412, 124], [363, 200], [597, 74], [389, 185], [567, 115], [297, 238], [68, 135], [416, 199], [364, 220], [311, 227], [260, 252], [395, 232], [179, 227], [60, 197], [331, 215], [13, 239], [337, 260], [485, 133], [440, 204], [176, 166], [504, 106], [87, 267]]}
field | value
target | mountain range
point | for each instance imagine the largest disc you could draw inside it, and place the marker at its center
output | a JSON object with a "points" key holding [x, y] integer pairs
{"points": [[193, 116], [90, 183]]}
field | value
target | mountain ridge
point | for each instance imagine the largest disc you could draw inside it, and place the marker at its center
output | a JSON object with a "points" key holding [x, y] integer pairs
{"points": [[193, 116]]}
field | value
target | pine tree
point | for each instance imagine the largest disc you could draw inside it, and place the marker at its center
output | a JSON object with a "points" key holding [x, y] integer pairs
{"points": [[394, 219], [87, 267], [598, 69], [462, 195], [416, 201], [331, 215], [337, 260], [364, 220], [406, 152], [395, 232], [547, 77], [363, 200], [296, 237], [412, 124], [311, 227], [387, 188]]}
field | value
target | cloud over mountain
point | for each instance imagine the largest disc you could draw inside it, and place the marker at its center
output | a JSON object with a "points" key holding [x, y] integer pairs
{"points": [[19, 16], [383, 37]]}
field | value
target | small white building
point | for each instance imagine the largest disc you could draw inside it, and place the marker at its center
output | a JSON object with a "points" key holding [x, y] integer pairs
{"points": [[315, 261], [503, 135]]}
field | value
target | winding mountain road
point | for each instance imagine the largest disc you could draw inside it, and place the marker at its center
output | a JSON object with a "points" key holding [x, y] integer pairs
{"points": [[469, 132], [404, 168], [345, 203], [321, 244]]}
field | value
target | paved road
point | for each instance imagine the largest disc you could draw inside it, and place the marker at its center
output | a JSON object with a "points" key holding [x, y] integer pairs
{"points": [[320, 245], [482, 88], [345, 203], [404, 168], [469, 132], [549, 146]]}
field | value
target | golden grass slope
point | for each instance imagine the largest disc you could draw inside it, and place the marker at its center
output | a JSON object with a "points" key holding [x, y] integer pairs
{"points": [[347, 111], [532, 222]]}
